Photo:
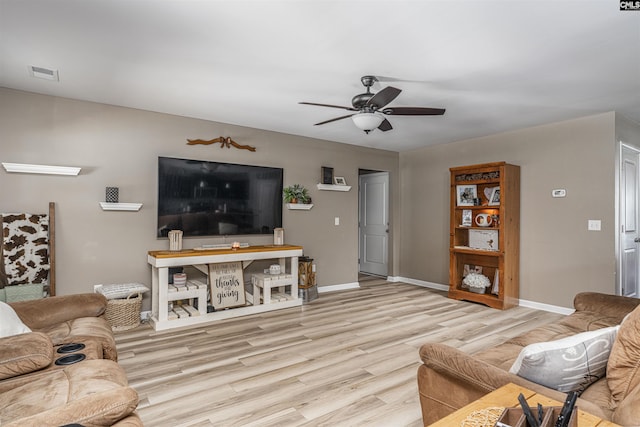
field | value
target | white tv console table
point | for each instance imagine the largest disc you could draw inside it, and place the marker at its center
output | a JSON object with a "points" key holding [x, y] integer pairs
{"points": [[161, 261]]}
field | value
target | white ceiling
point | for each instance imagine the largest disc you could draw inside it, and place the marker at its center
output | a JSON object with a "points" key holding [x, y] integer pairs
{"points": [[494, 65]]}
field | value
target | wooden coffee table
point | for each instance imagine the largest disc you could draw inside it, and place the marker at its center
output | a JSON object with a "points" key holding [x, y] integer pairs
{"points": [[507, 397]]}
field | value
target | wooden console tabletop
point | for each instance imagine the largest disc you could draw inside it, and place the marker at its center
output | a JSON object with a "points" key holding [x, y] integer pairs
{"points": [[205, 252], [507, 397]]}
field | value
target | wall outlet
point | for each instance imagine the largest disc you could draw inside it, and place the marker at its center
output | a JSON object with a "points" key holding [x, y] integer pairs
{"points": [[336, 220], [559, 192], [145, 315]]}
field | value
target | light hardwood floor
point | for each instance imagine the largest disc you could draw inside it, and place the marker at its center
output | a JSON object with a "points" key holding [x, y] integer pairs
{"points": [[348, 358]]}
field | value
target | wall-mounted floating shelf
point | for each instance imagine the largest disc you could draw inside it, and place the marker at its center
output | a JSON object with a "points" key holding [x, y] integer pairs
{"points": [[106, 206], [330, 187], [41, 169], [299, 206]]}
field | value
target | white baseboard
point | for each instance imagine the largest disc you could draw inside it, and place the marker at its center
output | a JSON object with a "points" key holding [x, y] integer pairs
{"points": [[341, 287], [422, 283], [523, 302], [546, 307]]}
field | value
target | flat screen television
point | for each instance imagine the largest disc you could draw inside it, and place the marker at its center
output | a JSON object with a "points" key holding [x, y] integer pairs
{"points": [[204, 198]]}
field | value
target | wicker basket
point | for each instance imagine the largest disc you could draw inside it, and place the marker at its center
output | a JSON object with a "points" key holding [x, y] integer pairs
{"points": [[124, 314]]}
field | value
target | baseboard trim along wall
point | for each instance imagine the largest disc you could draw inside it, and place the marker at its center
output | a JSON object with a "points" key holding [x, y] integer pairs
{"points": [[523, 302], [341, 287], [546, 307], [417, 282]]}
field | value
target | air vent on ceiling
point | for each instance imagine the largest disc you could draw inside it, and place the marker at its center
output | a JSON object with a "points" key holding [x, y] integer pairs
{"points": [[43, 73]]}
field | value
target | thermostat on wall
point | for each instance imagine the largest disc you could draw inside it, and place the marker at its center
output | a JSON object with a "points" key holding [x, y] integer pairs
{"points": [[559, 192]]}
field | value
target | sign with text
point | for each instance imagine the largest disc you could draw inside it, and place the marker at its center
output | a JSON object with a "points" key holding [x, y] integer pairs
{"points": [[227, 285], [630, 5]]}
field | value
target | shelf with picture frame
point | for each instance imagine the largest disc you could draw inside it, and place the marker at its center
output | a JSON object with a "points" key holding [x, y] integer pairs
{"points": [[484, 232]]}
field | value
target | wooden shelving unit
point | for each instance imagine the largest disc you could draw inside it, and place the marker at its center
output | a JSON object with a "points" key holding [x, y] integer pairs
{"points": [[161, 261], [493, 249]]}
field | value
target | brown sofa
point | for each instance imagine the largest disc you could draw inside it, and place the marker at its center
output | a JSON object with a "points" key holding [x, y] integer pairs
{"points": [[35, 391], [449, 379]]}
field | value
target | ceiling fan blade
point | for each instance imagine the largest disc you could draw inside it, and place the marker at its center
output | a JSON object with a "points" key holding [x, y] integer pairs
{"points": [[333, 120], [385, 125], [328, 105], [413, 111], [384, 97]]}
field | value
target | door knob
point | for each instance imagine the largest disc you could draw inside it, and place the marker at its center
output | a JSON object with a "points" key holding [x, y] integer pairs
{"points": [[637, 240]]}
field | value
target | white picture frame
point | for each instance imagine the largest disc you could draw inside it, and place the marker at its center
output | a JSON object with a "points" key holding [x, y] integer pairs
{"points": [[466, 194], [494, 200], [339, 180]]}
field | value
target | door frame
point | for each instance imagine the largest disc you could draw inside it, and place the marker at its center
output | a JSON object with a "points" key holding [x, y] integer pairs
{"points": [[361, 172]]}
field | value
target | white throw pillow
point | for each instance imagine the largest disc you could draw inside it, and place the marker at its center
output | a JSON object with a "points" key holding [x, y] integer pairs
{"points": [[10, 323], [568, 364]]}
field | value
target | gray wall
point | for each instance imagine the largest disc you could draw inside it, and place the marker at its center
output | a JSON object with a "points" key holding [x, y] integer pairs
{"points": [[119, 147], [559, 257]]}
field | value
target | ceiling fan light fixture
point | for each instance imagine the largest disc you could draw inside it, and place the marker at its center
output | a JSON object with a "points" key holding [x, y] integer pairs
{"points": [[367, 121]]}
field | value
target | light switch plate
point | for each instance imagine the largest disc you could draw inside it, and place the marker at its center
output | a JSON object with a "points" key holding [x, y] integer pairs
{"points": [[336, 221], [559, 192], [594, 225]]}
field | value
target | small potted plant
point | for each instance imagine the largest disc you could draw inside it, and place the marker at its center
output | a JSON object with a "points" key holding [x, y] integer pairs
{"points": [[296, 193]]}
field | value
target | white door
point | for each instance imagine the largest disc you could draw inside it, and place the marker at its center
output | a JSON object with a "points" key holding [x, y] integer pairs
{"points": [[629, 237], [374, 223]]}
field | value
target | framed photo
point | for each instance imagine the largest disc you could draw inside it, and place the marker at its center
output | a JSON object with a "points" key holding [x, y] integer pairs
{"points": [[327, 175], [467, 218], [471, 268], [339, 180], [227, 285], [466, 194], [494, 200]]}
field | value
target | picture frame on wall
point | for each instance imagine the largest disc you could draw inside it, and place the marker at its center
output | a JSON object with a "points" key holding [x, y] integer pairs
{"points": [[466, 194], [494, 200], [339, 180], [327, 175]]}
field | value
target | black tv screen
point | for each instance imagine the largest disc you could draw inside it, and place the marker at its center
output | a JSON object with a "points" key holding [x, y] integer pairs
{"points": [[204, 198]]}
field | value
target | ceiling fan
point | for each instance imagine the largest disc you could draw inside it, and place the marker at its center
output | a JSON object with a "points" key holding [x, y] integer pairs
{"points": [[370, 108]]}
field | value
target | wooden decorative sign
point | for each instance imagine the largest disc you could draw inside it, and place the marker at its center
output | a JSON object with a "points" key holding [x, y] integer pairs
{"points": [[227, 285], [224, 141]]}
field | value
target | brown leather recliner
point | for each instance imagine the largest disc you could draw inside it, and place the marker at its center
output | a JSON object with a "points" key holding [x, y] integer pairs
{"points": [[70, 319], [35, 391]]}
